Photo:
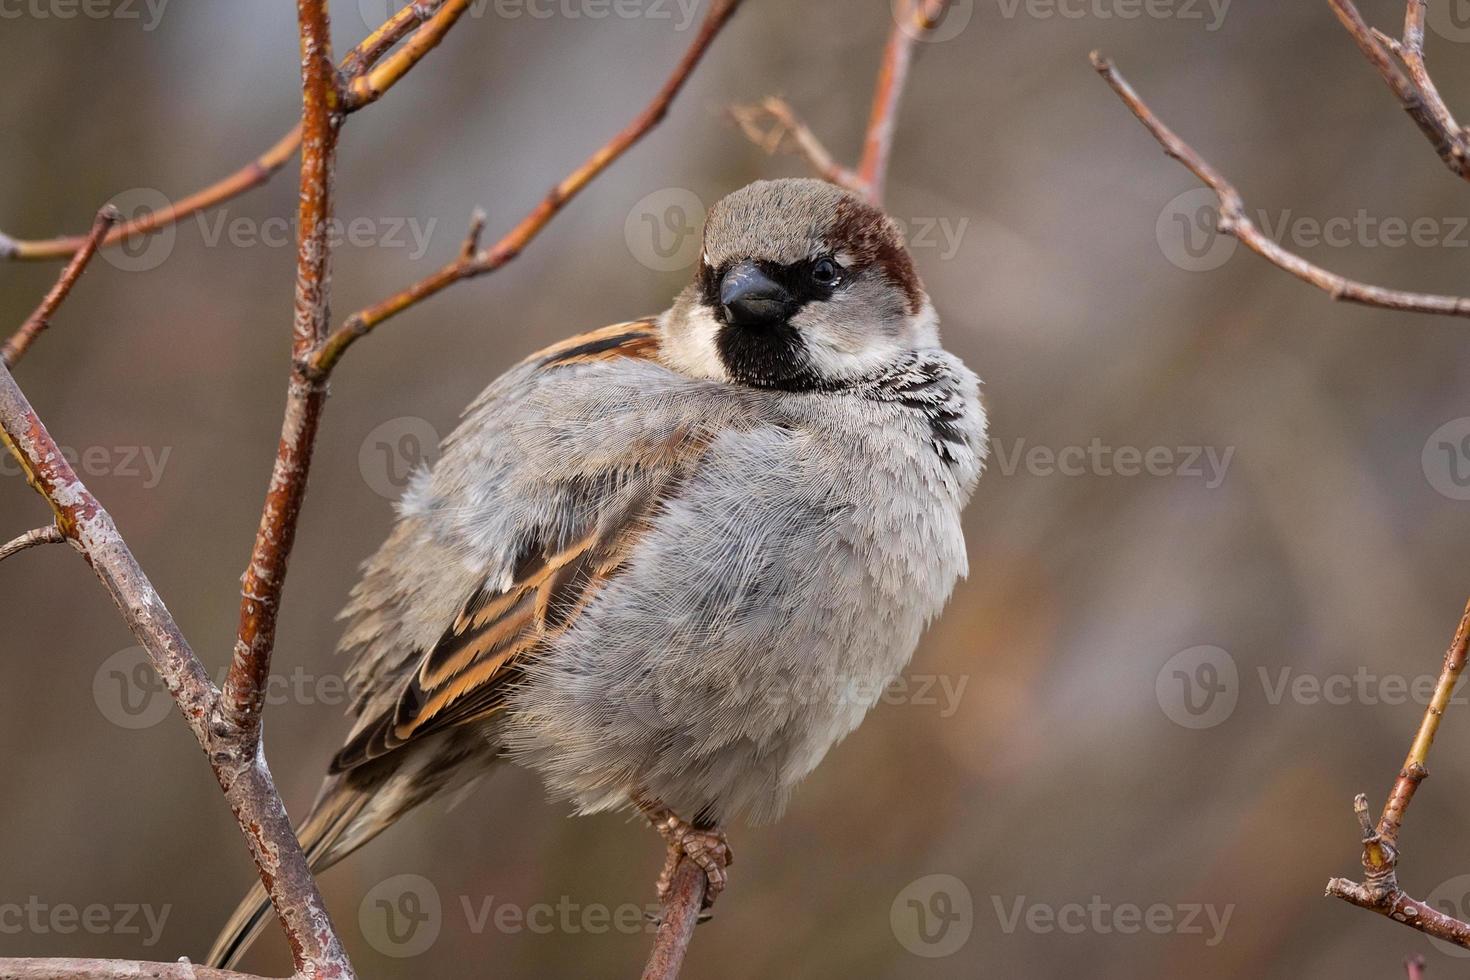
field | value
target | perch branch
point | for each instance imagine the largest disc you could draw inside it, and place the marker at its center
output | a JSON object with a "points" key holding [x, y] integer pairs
{"points": [[369, 86], [482, 261], [1380, 890], [80, 969], [50, 534], [1415, 91], [38, 321], [253, 174], [679, 915], [787, 131], [1234, 220]]}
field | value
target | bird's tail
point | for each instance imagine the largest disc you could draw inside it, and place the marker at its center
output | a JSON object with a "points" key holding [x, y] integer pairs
{"points": [[331, 831]]}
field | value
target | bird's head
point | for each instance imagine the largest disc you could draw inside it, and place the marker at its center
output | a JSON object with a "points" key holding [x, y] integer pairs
{"points": [[802, 285]]}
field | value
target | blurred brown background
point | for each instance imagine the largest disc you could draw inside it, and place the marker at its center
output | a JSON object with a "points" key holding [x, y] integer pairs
{"points": [[1105, 798]]}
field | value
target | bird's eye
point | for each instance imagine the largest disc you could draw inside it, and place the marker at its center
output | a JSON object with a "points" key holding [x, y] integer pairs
{"points": [[826, 272]]}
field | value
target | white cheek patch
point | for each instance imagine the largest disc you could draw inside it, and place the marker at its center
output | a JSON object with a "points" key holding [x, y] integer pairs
{"points": [[690, 347]]}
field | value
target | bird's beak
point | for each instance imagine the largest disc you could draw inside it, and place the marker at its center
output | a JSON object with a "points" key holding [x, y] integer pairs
{"points": [[750, 298]]}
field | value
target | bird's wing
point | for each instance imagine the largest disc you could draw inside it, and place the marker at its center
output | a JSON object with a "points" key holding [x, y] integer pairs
{"points": [[555, 571]]}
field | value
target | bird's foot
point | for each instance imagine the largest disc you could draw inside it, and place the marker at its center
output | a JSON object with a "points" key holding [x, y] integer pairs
{"points": [[707, 848]]}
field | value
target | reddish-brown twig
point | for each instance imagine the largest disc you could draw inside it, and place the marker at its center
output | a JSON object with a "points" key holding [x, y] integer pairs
{"points": [[369, 86], [910, 24], [1380, 890], [265, 575], [1235, 221], [483, 261], [254, 173], [50, 534], [15, 348], [680, 911], [1416, 91]]}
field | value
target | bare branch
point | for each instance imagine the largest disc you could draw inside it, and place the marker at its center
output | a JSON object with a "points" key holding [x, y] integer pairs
{"points": [[50, 534], [369, 87], [774, 126], [1235, 221], [1416, 91], [265, 576], [679, 915], [252, 175], [15, 348], [488, 260], [909, 25], [242, 774], [79, 969]]}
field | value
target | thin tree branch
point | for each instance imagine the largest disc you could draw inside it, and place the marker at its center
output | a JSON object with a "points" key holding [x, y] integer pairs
{"points": [[265, 576], [488, 260], [369, 86], [917, 18], [50, 534], [248, 177], [679, 915], [785, 125], [15, 348], [1380, 889], [1235, 221], [39, 968], [240, 769], [1416, 91]]}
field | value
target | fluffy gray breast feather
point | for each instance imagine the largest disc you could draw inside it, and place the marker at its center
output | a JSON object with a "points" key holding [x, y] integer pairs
{"points": [[637, 581]]}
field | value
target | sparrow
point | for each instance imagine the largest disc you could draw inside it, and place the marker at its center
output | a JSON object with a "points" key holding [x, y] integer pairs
{"points": [[670, 563]]}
